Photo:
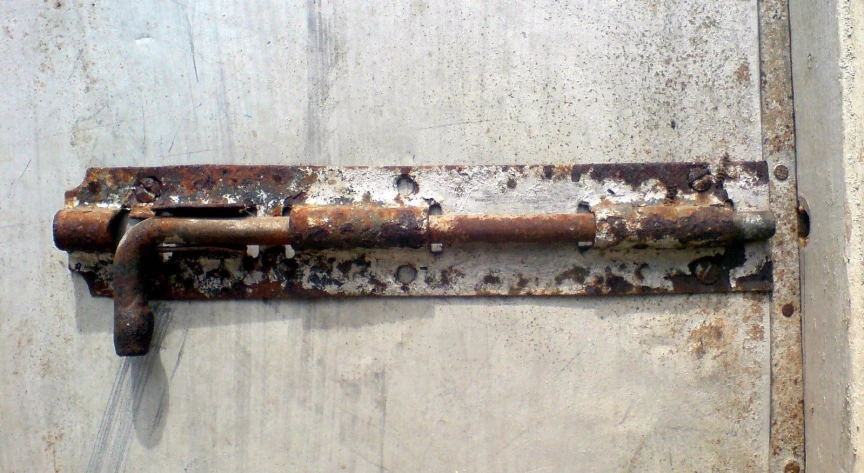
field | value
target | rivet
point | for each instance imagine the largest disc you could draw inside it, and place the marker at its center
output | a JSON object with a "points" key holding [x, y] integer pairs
{"points": [[700, 179], [781, 172], [152, 184], [148, 189], [792, 467]]}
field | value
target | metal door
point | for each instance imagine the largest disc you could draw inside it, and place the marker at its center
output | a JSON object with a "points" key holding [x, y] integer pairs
{"points": [[638, 383]]}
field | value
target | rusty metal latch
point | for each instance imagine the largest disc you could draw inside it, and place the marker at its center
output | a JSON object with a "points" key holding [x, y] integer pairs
{"points": [[183, 232]]}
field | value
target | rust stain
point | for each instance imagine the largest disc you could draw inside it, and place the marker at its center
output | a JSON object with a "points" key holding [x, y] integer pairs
{"points": [[708, 338], [358, 227], [675, 226], [756, 332], [778, 135], [742, 74], [555, 228], [85, 228], [51, 440], [190, 186]]}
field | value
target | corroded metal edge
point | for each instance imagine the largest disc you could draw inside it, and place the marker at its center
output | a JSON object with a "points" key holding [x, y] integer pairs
{"points": [[223, 274], [268, 190], [460, 270], [778, 149]]}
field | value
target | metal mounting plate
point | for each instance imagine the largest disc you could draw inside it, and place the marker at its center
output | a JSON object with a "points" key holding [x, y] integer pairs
{"points": [[466, 270]]}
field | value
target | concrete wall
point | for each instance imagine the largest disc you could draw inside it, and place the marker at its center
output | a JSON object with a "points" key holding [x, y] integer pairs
{"points": [[678, 383], [828, 63]]}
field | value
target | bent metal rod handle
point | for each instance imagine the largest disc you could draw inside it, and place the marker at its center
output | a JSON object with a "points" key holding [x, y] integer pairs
{"points": [[347, 226], [133, 320]]}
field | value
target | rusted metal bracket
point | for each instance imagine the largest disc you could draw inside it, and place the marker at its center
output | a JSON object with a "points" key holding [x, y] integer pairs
{"points": [[422, 231]]}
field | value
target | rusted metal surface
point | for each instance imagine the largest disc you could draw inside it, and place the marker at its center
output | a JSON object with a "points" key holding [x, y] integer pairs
{"points": [[266, 190], [133, 320], [185, 187], [676, 226], [85, 229], [558, 228], [338, 216], [365, 226], [324, 273], [778, 150]]}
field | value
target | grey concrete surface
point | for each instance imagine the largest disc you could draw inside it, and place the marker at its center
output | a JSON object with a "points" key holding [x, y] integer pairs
{"points": [[606, 384]]}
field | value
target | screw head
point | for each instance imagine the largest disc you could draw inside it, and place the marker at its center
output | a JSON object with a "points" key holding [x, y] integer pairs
{"points": [[144, 196], [788, 310], [152, 184], [781, 172], [148, 189], [700, 179], [707, 273]]}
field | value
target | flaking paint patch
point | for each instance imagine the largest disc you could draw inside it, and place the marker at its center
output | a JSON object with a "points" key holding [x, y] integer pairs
{"points": [[753, 262]]}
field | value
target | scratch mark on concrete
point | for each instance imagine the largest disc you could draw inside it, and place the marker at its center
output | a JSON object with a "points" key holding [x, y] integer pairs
{"points": [[626, 414], [383, 427], [74, 67], [107, 422], [539, 469], [631, 465], [143, 130], [91, 116], [569, 362], [367, 460], [192, 40], [20, 225], [445, 125], [26, 167], [511, 441], [187, 152]]}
